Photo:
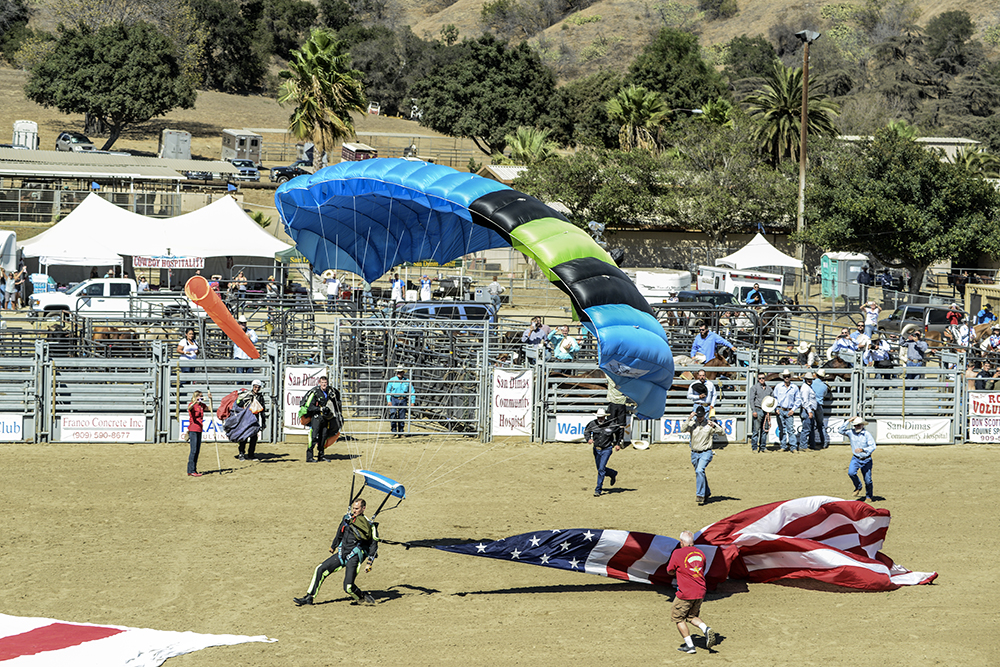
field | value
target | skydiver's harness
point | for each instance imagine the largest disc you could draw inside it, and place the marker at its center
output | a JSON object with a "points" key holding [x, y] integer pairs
{"points": [[363, 547]]}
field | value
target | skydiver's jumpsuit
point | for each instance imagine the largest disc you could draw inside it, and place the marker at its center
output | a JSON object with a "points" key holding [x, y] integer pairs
{"points": [[355, 540]]}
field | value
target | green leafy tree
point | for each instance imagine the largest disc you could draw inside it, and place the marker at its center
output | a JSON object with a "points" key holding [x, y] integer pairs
{"points": [[610, 187], [261, 218], [672, 65], [288, 22], [949, 41], [484, 89], [899, 202], [977, 161], [336, 14], [778, 108], [391, 63], [748, 57], [585, 103], [903, 129], [720, 184], [121, 75], [640, 114], [718, 9], [324, 90], [236, 51]]}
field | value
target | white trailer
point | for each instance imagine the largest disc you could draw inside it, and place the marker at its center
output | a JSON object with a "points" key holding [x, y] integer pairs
{"points": [[175, 145], [241, 144], [739, 283], [25, 135], [656, 286]]}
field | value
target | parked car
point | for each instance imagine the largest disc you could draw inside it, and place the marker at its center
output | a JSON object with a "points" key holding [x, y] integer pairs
{"points": [[248, 170], [709, 297], [282, 174], [99, 297], [448, 310], [75, 142], [908, 318]]}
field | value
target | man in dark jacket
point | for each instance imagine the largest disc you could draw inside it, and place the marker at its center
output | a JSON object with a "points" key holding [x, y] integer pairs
{"points": [[326, 418], [602, 434], [250, 399], [356, 540]]}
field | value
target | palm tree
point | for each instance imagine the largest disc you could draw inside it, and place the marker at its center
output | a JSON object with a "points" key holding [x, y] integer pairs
{"points": [[641, 113], [323, 89], [977, 161], [528, 146], [778, 105], [903, 129]]}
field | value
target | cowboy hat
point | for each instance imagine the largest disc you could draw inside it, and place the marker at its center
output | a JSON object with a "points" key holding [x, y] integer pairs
{"points": [[808, 376], [786, 373], [769, 404], [640, 444], [256, 383], [876, 336], [242, 319], [820, 373], [803, 347], [858, 421], [601, 412]]}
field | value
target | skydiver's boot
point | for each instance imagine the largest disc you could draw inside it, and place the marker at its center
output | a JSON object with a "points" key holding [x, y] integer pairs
{"points": [[309, 455], [305, 599]]}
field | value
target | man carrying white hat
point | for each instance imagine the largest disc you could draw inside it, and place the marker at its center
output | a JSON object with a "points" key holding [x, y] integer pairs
{"points": [[789, 403], [862, 446], [601, 434]]}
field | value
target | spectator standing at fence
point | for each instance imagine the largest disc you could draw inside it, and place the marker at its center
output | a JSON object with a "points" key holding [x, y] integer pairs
{"points": [[238, 352], [702, 430], [885, 279], [704, 344], [495, 289], [878, 354], [196, 425], [602, 434], [842, 344], [254, 400], [953, 316], [564, 346], [805, 354], [187, 348], [690, 566], [399, 393], [862, 446], [807, 400], [241, 283], [871, 312], [992, 344], [398, 292], [985, 315], [916, 352], [822, 392], [701, 393], [271, 289], [332, 290], [986, 379], [761, 418], [787, 396], [755, 297], [972, 373], [536, 333], [425, 288], [10, 290], [864, 278]]}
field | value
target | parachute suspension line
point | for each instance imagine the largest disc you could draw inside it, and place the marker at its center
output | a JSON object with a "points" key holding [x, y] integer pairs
{"points": [[411, 473], [445, 478]]}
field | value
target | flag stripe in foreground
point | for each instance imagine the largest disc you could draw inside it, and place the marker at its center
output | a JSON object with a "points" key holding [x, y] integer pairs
{"points": [[51, 638]]}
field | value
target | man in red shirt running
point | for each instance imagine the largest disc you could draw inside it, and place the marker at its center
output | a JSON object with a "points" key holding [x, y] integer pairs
{"points": [[689, 563]]}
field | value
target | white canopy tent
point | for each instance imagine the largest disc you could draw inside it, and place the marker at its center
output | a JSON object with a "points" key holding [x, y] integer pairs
{"points": [[98, 233], [758, 253]]}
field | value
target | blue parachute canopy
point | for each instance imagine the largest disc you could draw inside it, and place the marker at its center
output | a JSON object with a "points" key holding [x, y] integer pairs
{"points": [[367, 217]]}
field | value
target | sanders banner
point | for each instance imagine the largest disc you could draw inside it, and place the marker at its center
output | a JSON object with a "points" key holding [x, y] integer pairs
{"points": [[511, 403], [984, 417]]}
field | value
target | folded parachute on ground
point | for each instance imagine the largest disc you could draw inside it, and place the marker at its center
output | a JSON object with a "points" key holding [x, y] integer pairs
{"points": [[367, 217]]}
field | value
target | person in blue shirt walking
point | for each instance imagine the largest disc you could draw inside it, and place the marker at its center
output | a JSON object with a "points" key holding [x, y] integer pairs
{"points": [[821, 390], [705, 342], [787, 396], [398, 393], [985, 315], [862, 446]]}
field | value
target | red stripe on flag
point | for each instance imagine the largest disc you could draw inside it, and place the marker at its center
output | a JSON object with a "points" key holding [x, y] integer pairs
{"points": [[634, 548], [51, 638]]}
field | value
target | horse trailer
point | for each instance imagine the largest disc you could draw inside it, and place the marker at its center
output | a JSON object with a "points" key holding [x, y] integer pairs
{"points": [[241, 144]]}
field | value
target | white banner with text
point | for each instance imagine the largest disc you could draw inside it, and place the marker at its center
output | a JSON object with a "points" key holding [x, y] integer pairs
{"points": [[511, 403], [298, 381], [102, 428]]}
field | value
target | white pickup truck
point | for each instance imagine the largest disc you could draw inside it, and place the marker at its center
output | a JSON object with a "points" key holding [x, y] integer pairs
{"points": [[112, 296]]}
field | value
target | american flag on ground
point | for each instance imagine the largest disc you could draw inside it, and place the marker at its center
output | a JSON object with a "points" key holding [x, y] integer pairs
{"points": [[46, 642], [828, 539]]}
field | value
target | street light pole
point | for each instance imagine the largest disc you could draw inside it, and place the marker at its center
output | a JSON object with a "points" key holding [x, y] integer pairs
{"points": [[807, 37]]}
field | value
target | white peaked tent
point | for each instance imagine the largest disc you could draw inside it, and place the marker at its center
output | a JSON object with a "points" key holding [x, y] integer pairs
{"points": [[97, 233], [758, 253]]}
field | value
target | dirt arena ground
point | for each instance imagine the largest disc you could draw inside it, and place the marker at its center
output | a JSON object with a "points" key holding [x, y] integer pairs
{"points": [[119, 534]]}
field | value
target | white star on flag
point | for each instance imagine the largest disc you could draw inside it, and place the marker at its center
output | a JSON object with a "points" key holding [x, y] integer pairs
{"points": [[480, 548], [515, 554], [545, 558], [564, 546], [573, 563], [534, 541], [589, 535]]}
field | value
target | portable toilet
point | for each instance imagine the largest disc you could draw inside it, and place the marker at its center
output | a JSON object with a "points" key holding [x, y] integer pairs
{"points": [[175, 145], [25, 135], [839, 274]]}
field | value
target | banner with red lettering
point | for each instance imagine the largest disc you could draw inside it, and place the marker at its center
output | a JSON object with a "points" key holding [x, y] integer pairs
{"points": [[512, 402], [984, 417], [167, 262]]}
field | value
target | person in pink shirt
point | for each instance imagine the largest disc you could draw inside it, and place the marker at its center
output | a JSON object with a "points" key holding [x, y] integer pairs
{"points": [[688, 563]]}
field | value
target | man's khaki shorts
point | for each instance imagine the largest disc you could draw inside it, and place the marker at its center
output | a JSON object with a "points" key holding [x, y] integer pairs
{"points": [[682, 610]]}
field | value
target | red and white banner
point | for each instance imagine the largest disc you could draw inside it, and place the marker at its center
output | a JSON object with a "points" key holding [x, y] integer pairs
{"points": [[984, 417], [167, 262], [826, 539], [511, 403], [46, 642]]}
